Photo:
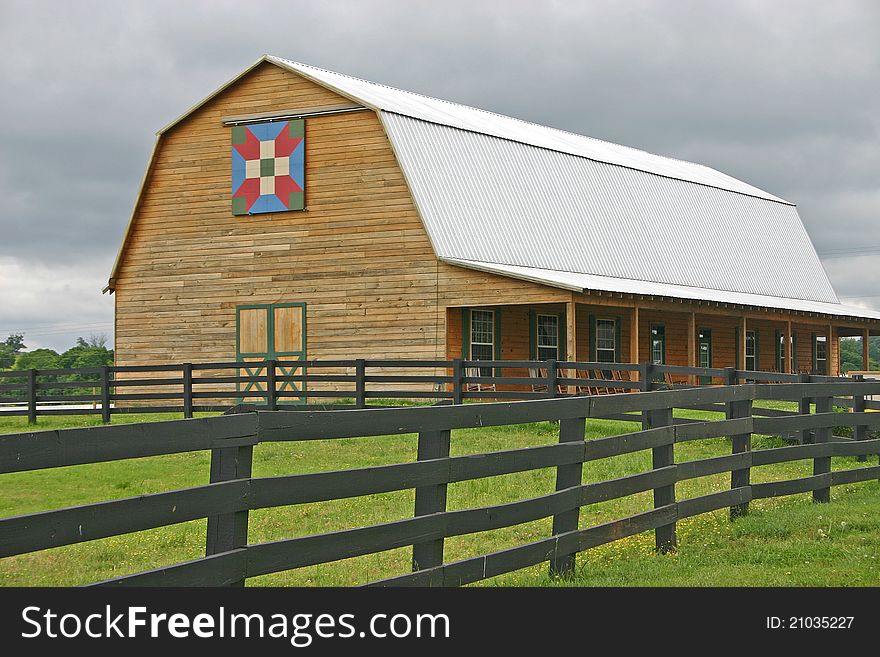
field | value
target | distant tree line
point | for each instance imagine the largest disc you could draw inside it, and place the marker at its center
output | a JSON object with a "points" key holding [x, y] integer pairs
{"points": [[86, 353], [851, 354]]}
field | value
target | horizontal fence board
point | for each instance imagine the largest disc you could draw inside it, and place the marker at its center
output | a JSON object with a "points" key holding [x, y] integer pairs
{"points": [[50, 449], [855, 475], [40, 531], [611, 489], [791, 453], [715, 465], [627, 443], [221, 569], [714, 501], [791, 486], [713, 429]]}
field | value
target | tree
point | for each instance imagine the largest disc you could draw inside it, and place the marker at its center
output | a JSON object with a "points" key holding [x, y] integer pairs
{"points": [[15, 342], [87, 353], [38, 359]]}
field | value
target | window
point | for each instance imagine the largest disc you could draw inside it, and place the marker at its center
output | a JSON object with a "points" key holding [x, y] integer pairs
{"points": [[483, 338], [780, 351], [606, 343], [821, 349], [751, 350], [548, 337], [658, 344]]}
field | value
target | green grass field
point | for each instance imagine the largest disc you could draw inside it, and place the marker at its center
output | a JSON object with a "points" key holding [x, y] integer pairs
{"points": [[787, 541]]}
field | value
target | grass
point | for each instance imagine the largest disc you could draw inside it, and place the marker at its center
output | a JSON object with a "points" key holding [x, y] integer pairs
{"points": [[785, 541]]}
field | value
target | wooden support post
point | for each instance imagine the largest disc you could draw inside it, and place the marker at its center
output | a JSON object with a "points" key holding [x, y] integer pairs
{"points": [[740, 443], [457, 373], [866, 350], [806, 436], [430, 499], [835, 353], [567, 476], [228, 531], [662, 457], [271, 385], [822, 465], [571, 337], [789, 348], [634, 335], [105, 394], [360, 383], [187, 390], [32, 396], [692, 346]]}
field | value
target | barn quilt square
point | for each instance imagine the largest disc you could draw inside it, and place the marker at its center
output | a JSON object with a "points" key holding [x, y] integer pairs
{"points": [[268, 167]]}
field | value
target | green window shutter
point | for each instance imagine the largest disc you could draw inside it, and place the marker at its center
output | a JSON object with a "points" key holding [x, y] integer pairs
{"points": [[813, 343], [465, 333], [533, 334], [663, 344], [757, 352], [497, 328], [776, 346], [618, 356], [592, 338], [736, 347], [497, 334], [562, 337], [794, 362]]}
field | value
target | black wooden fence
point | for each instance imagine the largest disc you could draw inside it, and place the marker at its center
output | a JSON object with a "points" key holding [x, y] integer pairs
{"points": [[233, 492], [190, 388]]}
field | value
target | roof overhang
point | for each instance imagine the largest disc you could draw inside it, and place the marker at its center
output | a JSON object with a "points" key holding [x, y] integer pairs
{"points": [[581, 283]]}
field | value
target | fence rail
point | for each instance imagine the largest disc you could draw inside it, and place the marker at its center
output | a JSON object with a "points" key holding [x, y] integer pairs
{"points": [[233, 492], [190, 388]]}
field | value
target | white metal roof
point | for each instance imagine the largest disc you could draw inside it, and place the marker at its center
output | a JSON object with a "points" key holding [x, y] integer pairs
{"points": [[435, 110], [584, 282]]}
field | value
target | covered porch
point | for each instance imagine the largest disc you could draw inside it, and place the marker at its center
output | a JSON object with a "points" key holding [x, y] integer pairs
{"points": [[607, 328]]}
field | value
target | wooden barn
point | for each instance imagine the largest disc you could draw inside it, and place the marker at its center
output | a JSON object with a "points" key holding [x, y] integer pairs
{"points": [[299, 213]]}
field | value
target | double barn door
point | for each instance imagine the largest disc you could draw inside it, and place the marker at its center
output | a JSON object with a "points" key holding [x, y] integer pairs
{"points": [[275, 331]]}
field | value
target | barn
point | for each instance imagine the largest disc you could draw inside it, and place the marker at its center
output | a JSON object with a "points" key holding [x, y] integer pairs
{"points": [[298, 213]]}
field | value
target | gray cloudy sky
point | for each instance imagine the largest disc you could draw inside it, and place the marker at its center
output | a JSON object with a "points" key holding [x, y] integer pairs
{"points": [[784, 95]]}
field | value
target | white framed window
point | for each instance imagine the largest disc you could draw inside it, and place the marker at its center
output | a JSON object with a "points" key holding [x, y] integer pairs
{"points": [[548, 337], [606, 340], [658, 344], [821, 354], [483, 337], [751, 350]]}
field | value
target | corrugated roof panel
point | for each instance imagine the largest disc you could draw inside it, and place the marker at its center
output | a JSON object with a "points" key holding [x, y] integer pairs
{"points": [[493, 200], [435, 110], [582, 282]]}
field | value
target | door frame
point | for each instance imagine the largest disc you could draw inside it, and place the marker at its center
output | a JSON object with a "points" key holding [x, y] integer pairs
{"points": [[271, 354]]}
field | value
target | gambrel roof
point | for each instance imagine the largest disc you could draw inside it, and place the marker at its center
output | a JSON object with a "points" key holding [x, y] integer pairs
{"points": [[528, 201]]}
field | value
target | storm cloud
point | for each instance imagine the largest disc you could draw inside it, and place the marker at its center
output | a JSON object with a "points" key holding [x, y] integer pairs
{"points": [[783, 95]]}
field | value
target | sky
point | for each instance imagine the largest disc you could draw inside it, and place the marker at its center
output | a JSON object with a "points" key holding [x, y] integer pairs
{"points": [[783, 95]]}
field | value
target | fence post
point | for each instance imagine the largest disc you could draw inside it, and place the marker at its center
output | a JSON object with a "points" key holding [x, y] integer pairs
{"points": [[105, 394], [860, 431], [228, 531], [804, 409], [662, 457], [739, 443], [552, 376], [271, 386], [457, 371], [822, 465], [646, 383], [360, 383], [567, 476], [32, 396], [430, 499], [187, 390]]}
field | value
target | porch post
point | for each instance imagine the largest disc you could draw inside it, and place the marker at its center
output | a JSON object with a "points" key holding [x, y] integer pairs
{"points": [[789, 356], [634, 335], [571, 337], [692, 345], [836, 352], [866, 352]]}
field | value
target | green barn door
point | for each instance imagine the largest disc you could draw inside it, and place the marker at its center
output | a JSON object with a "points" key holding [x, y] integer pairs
{"points": [[704, 352], [274, 331]]}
